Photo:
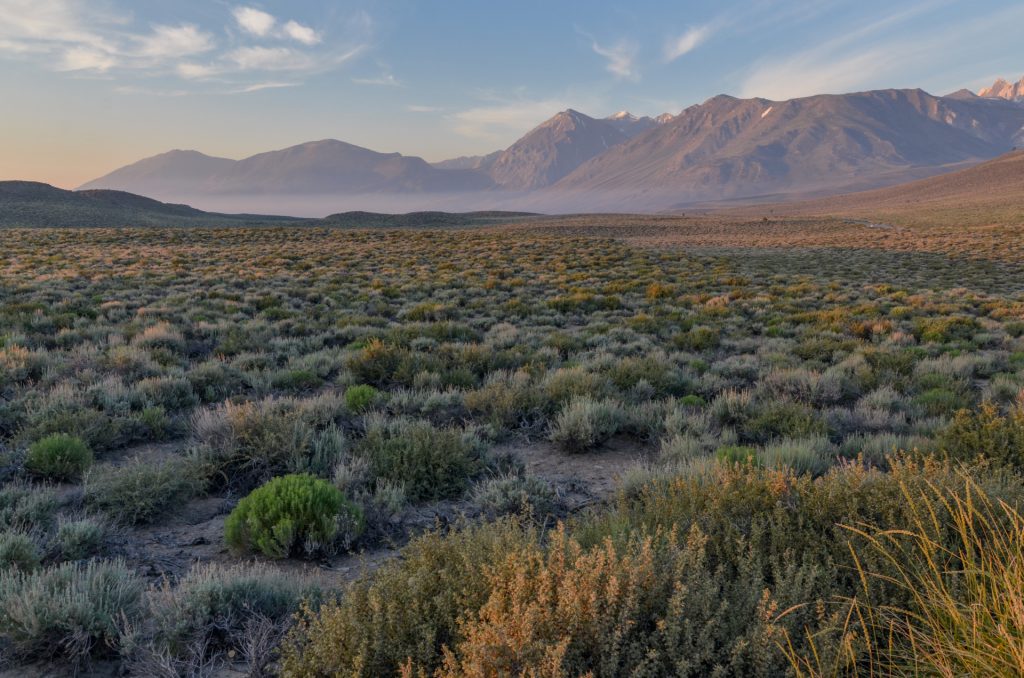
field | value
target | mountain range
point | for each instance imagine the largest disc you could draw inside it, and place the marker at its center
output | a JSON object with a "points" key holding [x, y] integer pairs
{"points": [[724, 148], [1002, 89]]}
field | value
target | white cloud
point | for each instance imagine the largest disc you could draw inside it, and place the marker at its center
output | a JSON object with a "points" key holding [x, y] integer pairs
{"points": [[415, 108], [176, 41], [621, 58], [87, 36], [304, 34], [686, 43], [86, 59], [254, 21]]}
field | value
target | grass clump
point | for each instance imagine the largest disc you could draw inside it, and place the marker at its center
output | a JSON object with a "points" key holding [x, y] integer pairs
{"points": [[59, 457], [292, 515], [961, 573]]}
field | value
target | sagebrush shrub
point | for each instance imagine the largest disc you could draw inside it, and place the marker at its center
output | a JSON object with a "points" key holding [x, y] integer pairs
{"points": [[69, 609], [292, 515], [18, 551], [80, 538], [59, 457], [584, 423], [431, 462], [24, 507], [140, 491], [514, 493], [214, 611]]}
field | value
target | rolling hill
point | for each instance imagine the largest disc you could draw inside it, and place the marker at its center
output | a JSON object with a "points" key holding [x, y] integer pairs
{"points": [[32, 204], [993, 190]]}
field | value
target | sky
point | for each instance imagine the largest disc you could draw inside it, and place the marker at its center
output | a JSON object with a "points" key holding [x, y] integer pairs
{"points": [[89, 86]]}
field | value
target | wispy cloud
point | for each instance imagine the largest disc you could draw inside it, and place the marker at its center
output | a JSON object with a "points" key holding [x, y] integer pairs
{"points": [[416, 108], [876, 53], [685, 43], [260, 86], [175, 41], [620, 58], [498, 120], [384, 80]]}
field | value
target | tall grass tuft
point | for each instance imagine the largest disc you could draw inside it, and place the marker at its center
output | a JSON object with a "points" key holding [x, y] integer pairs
{"points": [[964, 578]]}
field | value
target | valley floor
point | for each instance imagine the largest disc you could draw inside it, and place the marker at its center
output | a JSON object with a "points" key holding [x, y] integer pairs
{"points": [[557, 445]]}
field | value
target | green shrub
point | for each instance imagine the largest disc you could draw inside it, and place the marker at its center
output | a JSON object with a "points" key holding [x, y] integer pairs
{"points": [[18, 551], [361, 397], [68, 609], [697, 339], [987, 432], [59, 457], [584, 423], [156, 422], [291, 515], [940, 401], [432, 463], [737, 454], [296, 380], [139, 491], [781, 419]]}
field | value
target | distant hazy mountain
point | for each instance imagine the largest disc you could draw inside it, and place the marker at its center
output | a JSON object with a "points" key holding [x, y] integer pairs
{"points": [[469, 162], [175, 173], [1001, 89], [728, 147], [319, 167], [553, 149], [631, 125], [32, 204], [723, 149]]}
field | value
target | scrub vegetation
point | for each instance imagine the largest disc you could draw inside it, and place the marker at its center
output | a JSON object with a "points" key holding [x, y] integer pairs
{"points": [[214, 441]]}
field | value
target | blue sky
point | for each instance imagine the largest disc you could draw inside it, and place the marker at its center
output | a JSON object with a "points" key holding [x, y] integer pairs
{"points": [[91, 85]]}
